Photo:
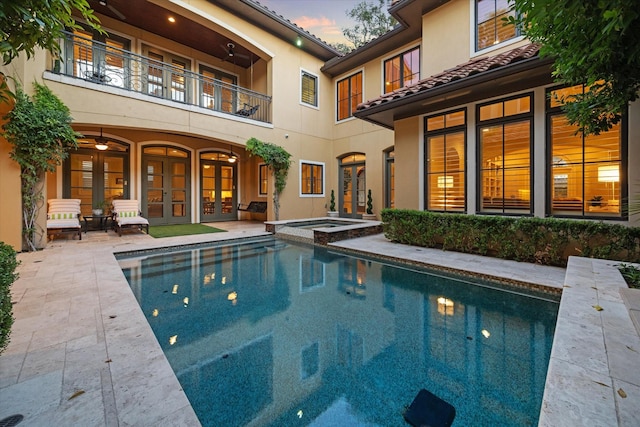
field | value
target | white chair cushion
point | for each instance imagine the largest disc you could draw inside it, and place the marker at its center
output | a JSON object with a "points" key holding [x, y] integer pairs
{"points": [[63, 223], [136, 220], [125, 205], [64, 206]]}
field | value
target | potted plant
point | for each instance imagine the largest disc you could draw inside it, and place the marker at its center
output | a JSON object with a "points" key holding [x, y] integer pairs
{"points": [[369, 212], [596, 201], [100, 207], [332, 206]]}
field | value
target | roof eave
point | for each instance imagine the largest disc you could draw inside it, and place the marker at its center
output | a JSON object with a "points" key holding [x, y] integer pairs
{"points": [[375, 114], [255, 13]]}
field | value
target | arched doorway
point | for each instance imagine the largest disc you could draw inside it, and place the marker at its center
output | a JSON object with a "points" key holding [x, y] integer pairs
{"points": [[352, 198], [218, 184], [166, 185]]}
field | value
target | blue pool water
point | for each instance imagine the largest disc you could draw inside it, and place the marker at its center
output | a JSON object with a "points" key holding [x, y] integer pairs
{"points": [[272, 333]]}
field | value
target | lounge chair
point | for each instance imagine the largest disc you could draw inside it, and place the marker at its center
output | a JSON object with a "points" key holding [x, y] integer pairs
{"points": [[63, 216], [127, 214], [247, 110]]}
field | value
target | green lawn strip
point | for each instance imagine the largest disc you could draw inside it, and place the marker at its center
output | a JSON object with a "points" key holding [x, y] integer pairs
{"points": [[159, 231]]}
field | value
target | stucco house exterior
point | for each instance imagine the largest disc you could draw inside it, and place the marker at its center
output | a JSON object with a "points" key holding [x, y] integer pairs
{"points": [[450, 111]]}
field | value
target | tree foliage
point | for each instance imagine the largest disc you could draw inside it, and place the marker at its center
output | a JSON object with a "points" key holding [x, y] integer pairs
{"points": [[593, 42], [372, 20], [25, 24], [278, 160], [39, 128]]}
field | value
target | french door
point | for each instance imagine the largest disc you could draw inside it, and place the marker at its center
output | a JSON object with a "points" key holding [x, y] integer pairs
{"points": [[218, 191], [352, 198], [166, 186], [95, 177]]}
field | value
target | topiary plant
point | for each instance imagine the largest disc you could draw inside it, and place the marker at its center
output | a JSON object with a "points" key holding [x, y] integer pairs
{"points": [[8, 265], [369, 203], [332, 202]]}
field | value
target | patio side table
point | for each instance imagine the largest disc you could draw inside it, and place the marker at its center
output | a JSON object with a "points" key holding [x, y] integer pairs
{"points": [[98, 222]]}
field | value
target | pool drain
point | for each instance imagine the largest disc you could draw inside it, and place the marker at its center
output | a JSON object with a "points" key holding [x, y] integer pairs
{"points": [[11, 420]]}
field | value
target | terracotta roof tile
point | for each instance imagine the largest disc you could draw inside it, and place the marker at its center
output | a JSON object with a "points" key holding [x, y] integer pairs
{"points": [[468, 69]]}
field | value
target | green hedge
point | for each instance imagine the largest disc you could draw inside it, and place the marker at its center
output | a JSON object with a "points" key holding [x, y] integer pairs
{"points": [[8, 264], [547, 241]]}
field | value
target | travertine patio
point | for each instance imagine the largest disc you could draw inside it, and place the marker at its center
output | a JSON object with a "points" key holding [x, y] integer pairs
{"points": [[82, 352]]}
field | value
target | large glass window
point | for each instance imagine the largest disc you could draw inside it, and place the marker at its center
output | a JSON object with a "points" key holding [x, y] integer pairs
{"points": [[445, 161], [584, 172], [311, 178], [504, 138], [308, 88], [349, 95], [402, 70], [490, 28]]}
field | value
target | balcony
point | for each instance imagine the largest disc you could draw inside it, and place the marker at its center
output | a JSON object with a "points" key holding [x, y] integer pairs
{"points": [[103, 64]]}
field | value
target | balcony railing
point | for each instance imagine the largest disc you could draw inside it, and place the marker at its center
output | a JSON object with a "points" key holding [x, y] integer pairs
{"points": [[110, 66]]}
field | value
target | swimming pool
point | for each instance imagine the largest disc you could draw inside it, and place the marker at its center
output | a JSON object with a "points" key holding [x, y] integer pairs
{"points": [[273, 333]]}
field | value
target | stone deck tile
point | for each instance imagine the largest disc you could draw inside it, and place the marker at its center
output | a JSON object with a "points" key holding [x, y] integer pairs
{"points": [[66, 338]]}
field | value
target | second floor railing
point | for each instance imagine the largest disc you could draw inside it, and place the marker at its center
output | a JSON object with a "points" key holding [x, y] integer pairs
{"points": [[106, 65]]}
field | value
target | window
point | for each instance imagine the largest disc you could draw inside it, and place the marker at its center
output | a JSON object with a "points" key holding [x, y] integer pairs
{"points": [[309, 89], [490, 29], [504, 138], [402, 70], [445, 161], [263, 178], [584, 172], [311, 178], [349, 95]]}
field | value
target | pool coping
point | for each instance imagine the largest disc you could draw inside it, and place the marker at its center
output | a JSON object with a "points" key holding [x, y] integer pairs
{"points": [[107, 349]]}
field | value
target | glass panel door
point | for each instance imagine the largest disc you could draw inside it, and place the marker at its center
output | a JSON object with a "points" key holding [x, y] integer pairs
{"points": [[178, 189], [155, 189], [353, 197], [114, 180], [95, 177], [166, 186], [218, 183], [209, 193], [81, 178], [228, 186]]}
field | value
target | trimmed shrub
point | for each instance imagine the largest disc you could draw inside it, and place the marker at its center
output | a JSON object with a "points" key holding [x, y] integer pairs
{"points": [[548, 241], [8, 265]]}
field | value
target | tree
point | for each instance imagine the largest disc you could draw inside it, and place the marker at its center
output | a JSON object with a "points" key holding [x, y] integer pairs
{"points": [[278, 160], [40, 131], [594, 43], [25, 24], [372, 21]]}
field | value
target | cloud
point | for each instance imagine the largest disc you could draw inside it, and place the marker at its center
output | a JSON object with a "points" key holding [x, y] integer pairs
{"points": [[308, 22]]}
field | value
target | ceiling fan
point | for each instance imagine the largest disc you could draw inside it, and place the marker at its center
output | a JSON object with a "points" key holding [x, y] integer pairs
{"points": [[112, 9], [231, 53]]}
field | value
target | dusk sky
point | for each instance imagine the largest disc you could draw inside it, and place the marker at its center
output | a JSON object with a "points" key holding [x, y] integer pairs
{"points": [[322, 18]]}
